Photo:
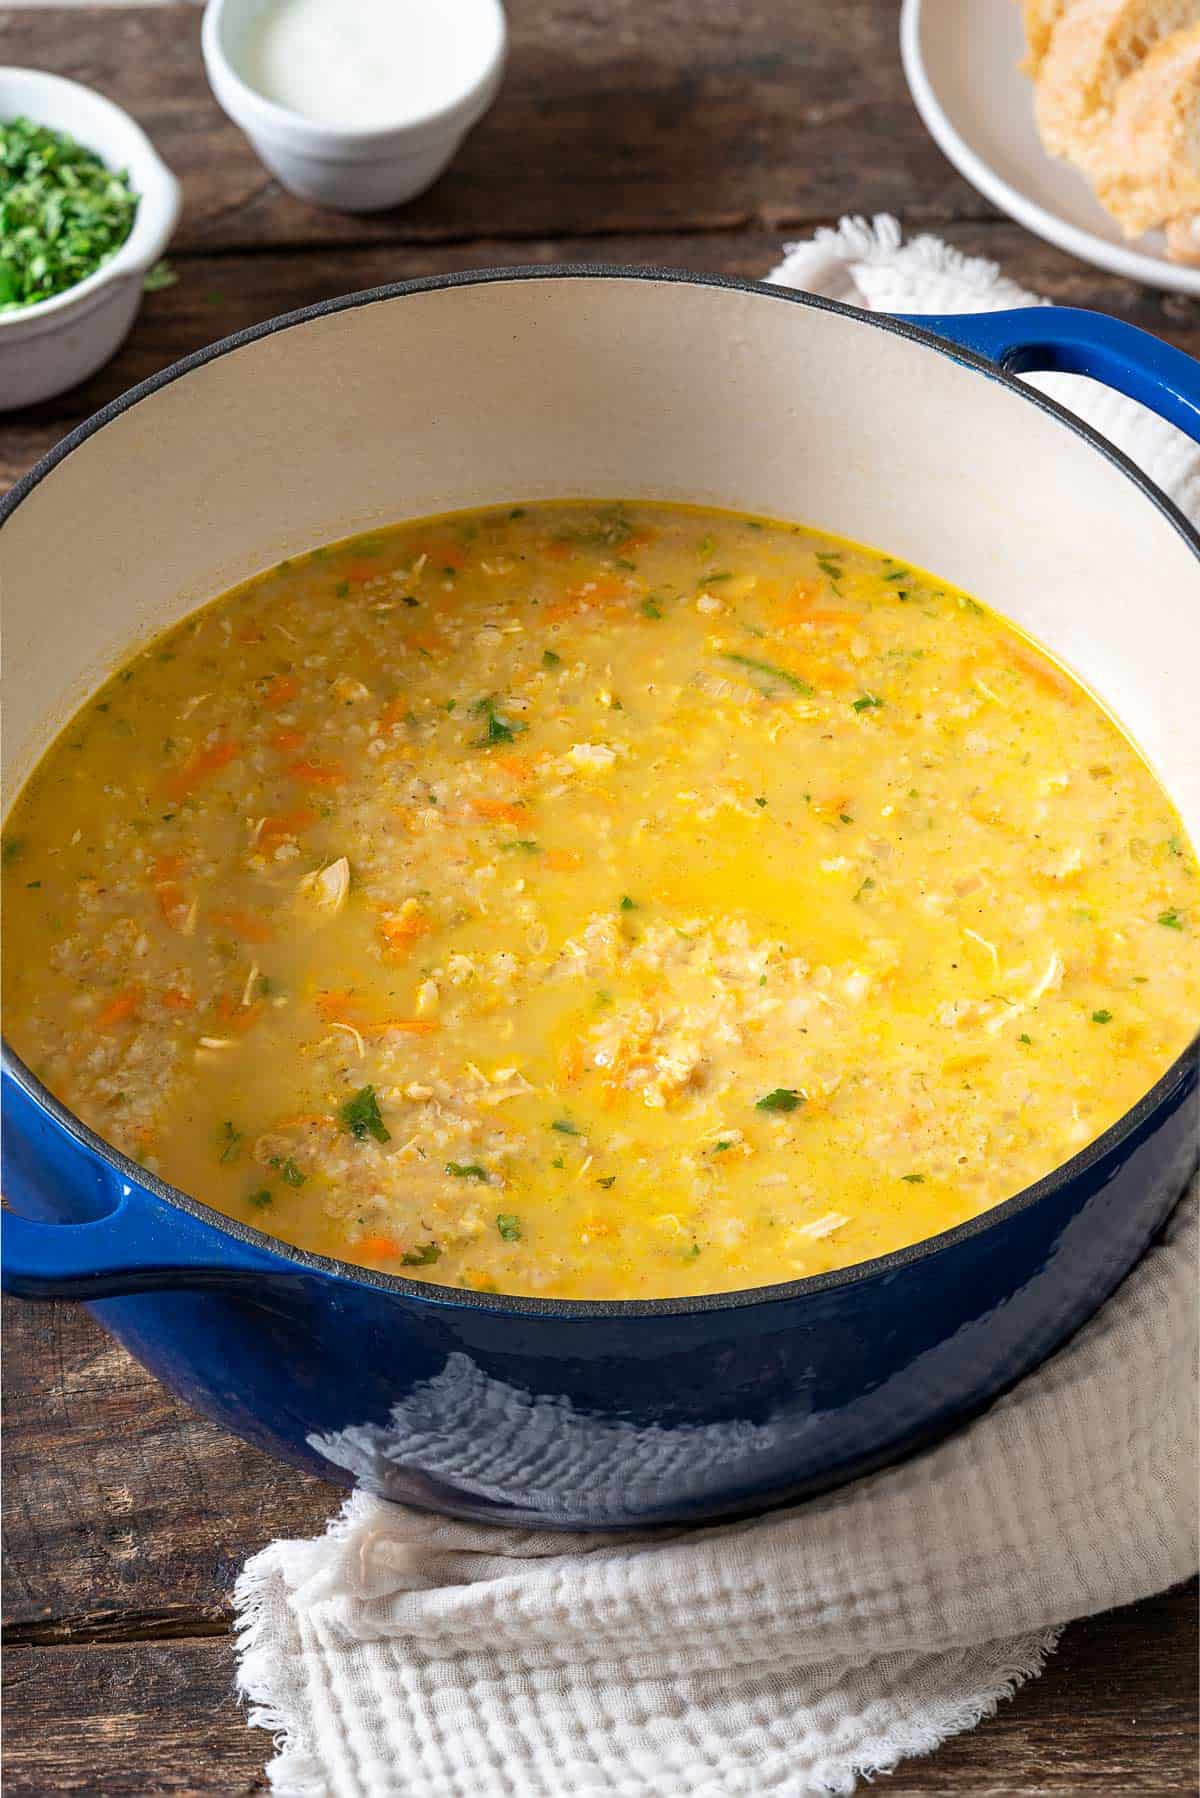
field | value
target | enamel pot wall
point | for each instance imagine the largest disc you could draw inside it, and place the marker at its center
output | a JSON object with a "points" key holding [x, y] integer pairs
{"points": [[504, 386]]}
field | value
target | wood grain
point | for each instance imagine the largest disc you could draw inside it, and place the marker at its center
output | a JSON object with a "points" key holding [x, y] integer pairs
{"points": [[679, 133]]}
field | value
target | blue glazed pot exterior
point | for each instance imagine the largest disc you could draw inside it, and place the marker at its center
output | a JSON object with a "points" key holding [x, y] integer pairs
{"points": [[573, 1417], [583, 1415]]}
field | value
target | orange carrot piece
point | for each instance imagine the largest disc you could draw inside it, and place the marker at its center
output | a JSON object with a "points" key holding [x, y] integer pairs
{"points": [[363, 570], [409, 1026], [500, 811], [203, 762], [120, 1007], [167, 867], [279, 689], [400, 933], [1044, 674], [287, 824], [175, 999], [517, 766], [561, 860], [236, 1016], [317, 774], [289, 740], [443, 553], [393, 712], [244, 924], [384, 1247]]}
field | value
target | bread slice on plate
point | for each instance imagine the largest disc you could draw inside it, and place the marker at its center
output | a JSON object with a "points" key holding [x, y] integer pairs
{"points": [[1146, 167], [1094, 46], [1039, 18]]}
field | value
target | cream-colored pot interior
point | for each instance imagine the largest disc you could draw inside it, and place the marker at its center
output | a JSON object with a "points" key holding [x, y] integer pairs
{"points": [[601, 386]]}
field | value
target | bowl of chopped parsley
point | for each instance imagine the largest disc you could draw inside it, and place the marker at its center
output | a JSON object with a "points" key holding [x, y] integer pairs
{"points": [[86, 209]]}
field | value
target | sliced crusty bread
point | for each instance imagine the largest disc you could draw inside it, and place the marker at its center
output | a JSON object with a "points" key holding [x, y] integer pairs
{"points": [[1146, 168], [1039, 18], [1095, 46], [1183, 238]]}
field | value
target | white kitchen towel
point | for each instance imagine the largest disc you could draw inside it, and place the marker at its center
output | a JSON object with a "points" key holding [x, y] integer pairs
{"points": [[405, 1656]]}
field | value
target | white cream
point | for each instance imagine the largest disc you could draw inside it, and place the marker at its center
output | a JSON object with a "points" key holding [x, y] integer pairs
{"points": [[368, 64]]}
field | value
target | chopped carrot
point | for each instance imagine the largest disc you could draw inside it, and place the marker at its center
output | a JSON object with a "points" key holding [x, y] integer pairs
{"points": [[382, 1247], [409, 1026], [250, 633], [362, 571], [515, 765], [120, 1007], [236, 1016], [245, 924], [639, 539], [317, 774], [167, 867], [401, 931], [394, 712], [289, 740], [558, 549], [443, 553], [305, 1120], [207, 760], [1044, 674], [501, 811], [279, 689], [175, 999], [561, 860], [287, 824]]}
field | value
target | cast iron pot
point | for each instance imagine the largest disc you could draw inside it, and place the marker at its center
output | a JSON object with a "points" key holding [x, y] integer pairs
{"points": [[606, 383]]}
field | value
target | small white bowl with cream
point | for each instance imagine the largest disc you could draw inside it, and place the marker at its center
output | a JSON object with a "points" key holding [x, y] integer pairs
{"points": [[355, 104]]}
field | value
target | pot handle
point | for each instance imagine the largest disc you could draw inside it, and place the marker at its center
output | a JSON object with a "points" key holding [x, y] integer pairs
{"points": [[1068, 340], [129, 1240]]}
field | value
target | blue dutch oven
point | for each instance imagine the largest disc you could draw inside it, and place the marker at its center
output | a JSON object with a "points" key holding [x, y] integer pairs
{"points": [[913, 436]]}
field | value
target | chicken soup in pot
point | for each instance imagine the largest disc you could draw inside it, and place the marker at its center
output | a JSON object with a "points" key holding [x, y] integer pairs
{"points": [[598, 901]]}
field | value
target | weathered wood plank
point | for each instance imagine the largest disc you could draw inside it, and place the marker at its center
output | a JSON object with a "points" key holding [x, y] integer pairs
{"points": [[122, 1508], [1114, 1713], [215, 296], [615, 116]]}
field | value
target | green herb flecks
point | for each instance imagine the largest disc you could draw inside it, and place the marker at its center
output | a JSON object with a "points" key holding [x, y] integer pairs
{"points": [[360, 1116], [770, 672], [565, 1127], [63, 213], [651, 609], [230, 1140], [784, 1098], [260, 1199], [549, 659], [1172, 919], [509, 1226], [423, 1256], [467, 1170], [866, 702], [499, 729], [289, 1173], [914, 1179], [1102, 1017]]}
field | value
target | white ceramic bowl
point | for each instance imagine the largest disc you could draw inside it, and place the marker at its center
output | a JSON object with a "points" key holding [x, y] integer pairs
{"points": [[351, 170], [48, 347]]}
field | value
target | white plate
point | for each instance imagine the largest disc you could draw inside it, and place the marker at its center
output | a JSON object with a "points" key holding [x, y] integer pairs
{"points": [[961, 59]]}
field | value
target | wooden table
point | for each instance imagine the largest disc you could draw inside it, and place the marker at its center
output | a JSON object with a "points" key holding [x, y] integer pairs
{"points": [[693, 133]]}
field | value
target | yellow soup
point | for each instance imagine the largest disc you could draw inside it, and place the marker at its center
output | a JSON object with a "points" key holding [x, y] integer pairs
{"points": [[604, 901]]}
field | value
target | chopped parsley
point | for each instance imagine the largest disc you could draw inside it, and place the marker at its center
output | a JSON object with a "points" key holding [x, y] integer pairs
{"points": [[1172, 919], [914, 1179], [565, 1127], [866, 702], [865, 887], [845, 818], [528, 844], [549, 659], [651, 609], [360, 1116], [719, 1148], [499, 730], [260, 1199], [784, 1098], [466, 1170], [423, 1256], [607, 1180], [289, 1173], [759, 800], [628, 904], [65, 212], [509, 1226], [1102, 1017], [829, 567], [771, 672], [1025, 1037], [230, 1138]]}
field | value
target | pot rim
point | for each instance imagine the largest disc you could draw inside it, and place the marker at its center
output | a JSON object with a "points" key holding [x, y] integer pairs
{"points": [[1131, 1124]]}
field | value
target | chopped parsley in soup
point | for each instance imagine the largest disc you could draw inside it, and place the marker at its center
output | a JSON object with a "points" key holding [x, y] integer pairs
{"points": [[598, 901]]}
